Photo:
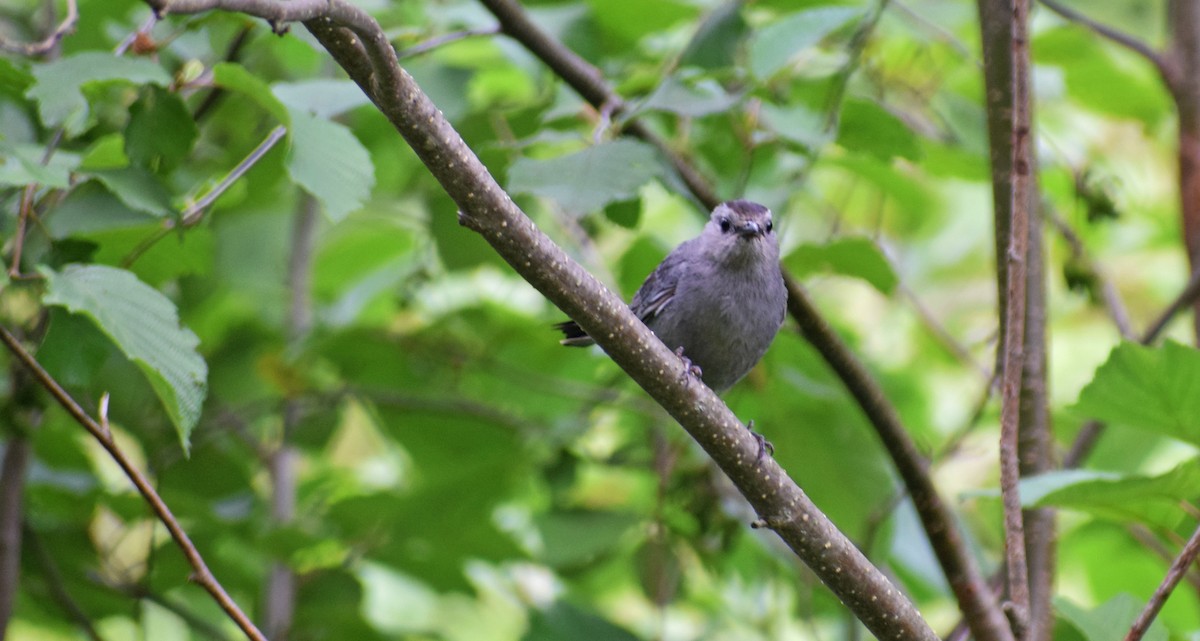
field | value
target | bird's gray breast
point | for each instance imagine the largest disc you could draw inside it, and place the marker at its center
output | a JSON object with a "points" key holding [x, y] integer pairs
{"points": [[724, 319]]}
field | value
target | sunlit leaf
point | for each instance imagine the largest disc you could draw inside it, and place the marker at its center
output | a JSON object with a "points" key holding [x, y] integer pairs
{"points": [[1155, 500], [329, 163], [1156, 389]]}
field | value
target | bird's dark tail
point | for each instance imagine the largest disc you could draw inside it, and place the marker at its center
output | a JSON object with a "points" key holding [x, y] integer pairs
{"points": [[573, 334]]}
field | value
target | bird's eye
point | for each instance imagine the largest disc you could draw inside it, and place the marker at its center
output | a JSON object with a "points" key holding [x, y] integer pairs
{"points": [[725, 224], [770, 226]]}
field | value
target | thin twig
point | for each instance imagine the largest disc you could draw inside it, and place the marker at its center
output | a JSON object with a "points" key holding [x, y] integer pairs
{"points": [[192, 214], [141, 32], [1178, 568], [1114, 35], [1183, 301], [44, 45], [200, 571], [445, 39], [27, 207], [1016, 222]]}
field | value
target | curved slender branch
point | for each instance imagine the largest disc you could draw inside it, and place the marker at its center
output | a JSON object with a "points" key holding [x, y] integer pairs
{"points": [[200, 572], [1110, 33], [44, 45]]}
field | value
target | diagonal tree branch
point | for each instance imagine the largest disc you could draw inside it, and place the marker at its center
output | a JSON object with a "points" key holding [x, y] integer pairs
{"points": [[1174, 575], [974, 597], [200, 572], [361, 48]]}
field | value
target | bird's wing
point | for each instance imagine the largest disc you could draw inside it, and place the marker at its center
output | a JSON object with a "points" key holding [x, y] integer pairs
{"points": [[659, 289]]}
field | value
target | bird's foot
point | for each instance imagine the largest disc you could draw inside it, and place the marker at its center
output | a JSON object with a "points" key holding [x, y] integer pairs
{"points": [[764, 446], [689, 368]]}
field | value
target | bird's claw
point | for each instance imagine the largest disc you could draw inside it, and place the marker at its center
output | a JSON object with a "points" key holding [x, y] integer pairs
{"points": [[689, 368], [764, 446]]}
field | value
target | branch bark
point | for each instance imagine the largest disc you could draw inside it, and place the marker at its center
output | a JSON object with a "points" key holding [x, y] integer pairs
{"points": [[1182, 76], [1005, 42], [200, 572]]}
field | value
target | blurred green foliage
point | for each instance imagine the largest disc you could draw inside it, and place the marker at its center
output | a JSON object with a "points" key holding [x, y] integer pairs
{"points": [[461, 476]]}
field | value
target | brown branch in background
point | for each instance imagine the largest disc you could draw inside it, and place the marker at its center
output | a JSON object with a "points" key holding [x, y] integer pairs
{"points": [[1182, 77], [445, 39], [44, 45], [12, 491], [1116, 36], [975, 599], [27, 207], [283, 460], [1015, 221], [200, 572], [1178, 568]]}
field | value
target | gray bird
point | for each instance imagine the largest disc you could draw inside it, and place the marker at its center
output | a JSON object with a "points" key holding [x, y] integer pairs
{"points": [[717, 300]]}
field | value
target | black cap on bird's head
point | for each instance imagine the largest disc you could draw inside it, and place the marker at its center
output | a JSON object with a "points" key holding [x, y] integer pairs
{"points": [[743, 218], [740, 230]]}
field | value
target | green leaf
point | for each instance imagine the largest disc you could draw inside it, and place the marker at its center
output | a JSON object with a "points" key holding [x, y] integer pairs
{"points": [[629, 20], [234, 77], [329, 163], [91, 207], [565, 621], [21, 164], [139, 189], [572, 539], [145, 326], [161, 130], [1153, 500], [774, 45], [322, 97], [797, 124], [1156, 389], [852, 256], [869, 128], [588, 180], [690, 99], [59, 87], [1100, 81], [108, 152], [14, 80], [716, 41], [1110, 620]]}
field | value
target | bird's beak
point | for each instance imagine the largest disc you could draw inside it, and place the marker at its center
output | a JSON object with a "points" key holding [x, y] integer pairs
{"points": [[749, 230]]}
